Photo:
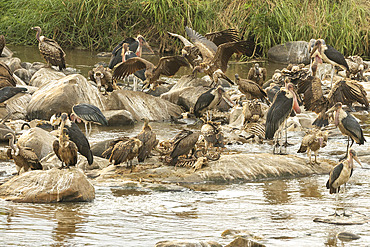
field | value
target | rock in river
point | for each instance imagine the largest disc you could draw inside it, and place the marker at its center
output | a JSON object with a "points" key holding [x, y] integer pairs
{"points": [[187, 243], [290, 52], [55, 185]]}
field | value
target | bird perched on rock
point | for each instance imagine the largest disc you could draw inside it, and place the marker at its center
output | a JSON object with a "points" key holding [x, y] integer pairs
{"points": [[103, 78], [313, 141], [257, 74], [123, 151], [24, 157], [148, 139], [88, 114], [65, 149], [213, 136], [50, 50], [6, 76], [341, 173], [251, 89], [183, 143]]}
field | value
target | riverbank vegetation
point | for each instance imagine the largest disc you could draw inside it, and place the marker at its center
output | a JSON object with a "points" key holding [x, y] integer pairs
{"points": [[101, 24]]}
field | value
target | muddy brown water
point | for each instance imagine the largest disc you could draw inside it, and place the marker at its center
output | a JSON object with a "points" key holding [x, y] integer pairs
{"points": [[277, 212]]}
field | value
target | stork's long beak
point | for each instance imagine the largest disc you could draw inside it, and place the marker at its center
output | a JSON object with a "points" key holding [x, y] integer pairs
{"points": [[357, 160], [146, 44], [228, 100], [331, 110]]}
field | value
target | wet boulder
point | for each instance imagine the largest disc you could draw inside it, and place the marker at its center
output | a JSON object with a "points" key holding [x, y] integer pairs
{"points": [[17, 105], [55, 185], [60, 95], [39, 140], [187, 243], [13, 63], [185, 97], [23, 74], [6, 52], [119, 117], [291, 52], [44, 76], [4, 130], [98, 148], [142, 105], [241, 242]]}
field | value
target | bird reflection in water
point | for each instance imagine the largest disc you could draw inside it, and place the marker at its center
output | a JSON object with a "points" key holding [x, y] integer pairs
{"points": [[276, 192]]}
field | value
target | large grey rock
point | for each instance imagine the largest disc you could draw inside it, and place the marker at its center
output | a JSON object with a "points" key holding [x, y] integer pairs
{"points": [[61, 95], [187, 243], [142, 105], [13, 63], [185, 97], [55, 185], [4, 130], [190, 81], [17, 105], [290, 52], [119, 117], [39, 140], [23, 74], [44, 76], [98, 148], [6, 52]]}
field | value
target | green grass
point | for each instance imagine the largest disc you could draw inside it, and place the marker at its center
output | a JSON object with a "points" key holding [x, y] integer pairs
{"points": [[100, 24]]}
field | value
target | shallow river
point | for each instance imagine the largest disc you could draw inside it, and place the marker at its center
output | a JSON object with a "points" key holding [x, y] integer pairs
{"points": [[276, 212]]}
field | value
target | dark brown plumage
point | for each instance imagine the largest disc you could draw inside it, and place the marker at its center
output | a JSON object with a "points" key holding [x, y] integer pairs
{"points": [[124, 151], [2, 44], [65, 149], [166, 66], [251, 89], [50, 50], [257, 74], [149, 140], [182, 144], [215, 58], [6, 76], [24, 157], [103, 78], [212, 134]]}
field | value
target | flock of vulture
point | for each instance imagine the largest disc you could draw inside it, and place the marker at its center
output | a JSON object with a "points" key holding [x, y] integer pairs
{"points": [[286, 94]]}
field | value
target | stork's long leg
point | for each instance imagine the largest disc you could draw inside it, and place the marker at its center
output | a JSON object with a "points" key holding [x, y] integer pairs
{"points": [[135, 83], [86, 131], [285, 144], [345, 156], [89, 128], [332, 76]]}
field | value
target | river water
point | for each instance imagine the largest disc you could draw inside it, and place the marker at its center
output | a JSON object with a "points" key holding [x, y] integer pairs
{"points": [[276, 212]]}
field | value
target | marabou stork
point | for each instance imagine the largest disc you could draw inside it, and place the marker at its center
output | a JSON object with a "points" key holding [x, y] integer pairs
{"points": [[348, 125], [75, 135], [127, 54], [192, 53], [272, 90], [123, 151], [166, 66], [340, 175], [328, 54], [313, 141], [251, 89], [6, 76], [88, 114], [284, 102], [148, 139], [8, 92], [2, 43], [65, 149], [24, 157], [182, 144], [209, 100], [215, 58], [103, 78], [135, 45], [257, 74], [50, 50]]}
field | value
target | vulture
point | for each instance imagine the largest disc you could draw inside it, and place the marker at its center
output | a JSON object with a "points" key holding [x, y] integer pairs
{"points": [[257, 74], [313, 141], [215, 58], [24, 157], [65, 149], [148, 139], [251, 89], [50, 50], [212, 134], [166, 66], [6, 76], [88, 114], [183, 142], [123, 151], [103, 78]]}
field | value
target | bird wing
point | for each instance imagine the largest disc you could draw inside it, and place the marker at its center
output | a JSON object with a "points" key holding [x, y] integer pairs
{"points": [[184, 40], [334, 174], [225, 51], [73, 151], [251, 73], [305, 142], [336, 56], [5, 72], [52, 52], [32, 159], [8, 92], [56, 148], [89, 113], [203, 101], [277, 113], [170, 65], [116, 58], [353, 127], [205, 46], [149, 140], [83, 145], [355, 92], [264, 74], [184, 145], [122, 150], [130, 66], [313, 99], [252, 88], [224, 36]]}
